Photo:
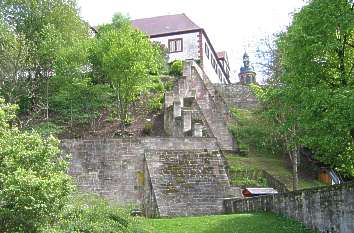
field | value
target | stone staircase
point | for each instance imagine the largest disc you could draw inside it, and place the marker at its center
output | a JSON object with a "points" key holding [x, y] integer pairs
{"points": [[187, 182], [195, 87], [184, 181]]}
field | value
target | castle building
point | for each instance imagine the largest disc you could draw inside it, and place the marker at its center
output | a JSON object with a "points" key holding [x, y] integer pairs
{"points": [[247, 74], [184, 40]]}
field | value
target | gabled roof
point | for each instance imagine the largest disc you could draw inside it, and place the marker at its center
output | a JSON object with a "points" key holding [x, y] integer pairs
{"points": [[166, 24]]}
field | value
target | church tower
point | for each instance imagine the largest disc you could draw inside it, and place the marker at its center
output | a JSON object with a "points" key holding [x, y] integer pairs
{"points": [[247, 74]]}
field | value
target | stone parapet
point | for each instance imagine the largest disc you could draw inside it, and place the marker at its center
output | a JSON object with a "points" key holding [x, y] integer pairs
{"points": [[327, 209]]}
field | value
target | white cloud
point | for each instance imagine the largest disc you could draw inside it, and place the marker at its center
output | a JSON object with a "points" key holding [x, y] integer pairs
{"points": [[231, 25]]}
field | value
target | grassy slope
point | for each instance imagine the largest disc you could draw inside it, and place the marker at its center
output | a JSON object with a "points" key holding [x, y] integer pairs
{"points": [[237, 223], [275, 166]]}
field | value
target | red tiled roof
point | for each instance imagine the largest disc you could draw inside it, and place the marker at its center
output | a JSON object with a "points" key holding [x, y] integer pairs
{"points": [[165, 24], [256, 191]]}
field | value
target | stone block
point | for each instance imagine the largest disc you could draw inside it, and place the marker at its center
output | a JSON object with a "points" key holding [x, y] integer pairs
{"points": [[197, 130], [187, 120]]}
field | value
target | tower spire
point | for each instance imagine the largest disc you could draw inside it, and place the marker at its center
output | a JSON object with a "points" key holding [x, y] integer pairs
{"points": [[247, 74]]}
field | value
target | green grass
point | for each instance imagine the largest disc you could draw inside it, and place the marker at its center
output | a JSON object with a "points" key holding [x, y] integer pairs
{"points": [[236, 223], [273, 165]]}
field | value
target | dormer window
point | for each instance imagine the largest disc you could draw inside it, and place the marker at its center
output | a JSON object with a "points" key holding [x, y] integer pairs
{"points": [[175, 45]]}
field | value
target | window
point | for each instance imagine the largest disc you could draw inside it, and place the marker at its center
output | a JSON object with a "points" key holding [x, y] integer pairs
{"points": [[175, 45], [213, 62], [206, 50]]}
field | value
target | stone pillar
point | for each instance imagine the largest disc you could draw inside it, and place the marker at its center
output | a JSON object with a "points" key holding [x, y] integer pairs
{"points": [[168, 120], [178, 127], [168, 99], [187, 120], [177, 119], [198, 130], [177, 110]]}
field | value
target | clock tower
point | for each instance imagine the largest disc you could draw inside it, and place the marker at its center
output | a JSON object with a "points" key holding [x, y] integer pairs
{"points": [[247, 74]]}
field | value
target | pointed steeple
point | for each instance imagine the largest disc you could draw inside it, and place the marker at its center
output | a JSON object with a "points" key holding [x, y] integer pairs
{"points": [[247, 74], [246, 60]]}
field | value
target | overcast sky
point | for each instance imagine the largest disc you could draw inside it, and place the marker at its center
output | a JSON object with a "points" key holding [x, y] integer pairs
{"points": [[232, 25]]}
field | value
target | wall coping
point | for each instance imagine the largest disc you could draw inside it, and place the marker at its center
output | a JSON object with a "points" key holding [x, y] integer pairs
{"points": [[300, 191]]}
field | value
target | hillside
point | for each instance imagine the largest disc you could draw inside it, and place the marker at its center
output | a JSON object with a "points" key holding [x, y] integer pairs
{"points": [[275, 166]]}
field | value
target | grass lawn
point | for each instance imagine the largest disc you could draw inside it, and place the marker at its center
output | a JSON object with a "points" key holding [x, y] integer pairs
{"points": [[273, 165], [236, 223]]}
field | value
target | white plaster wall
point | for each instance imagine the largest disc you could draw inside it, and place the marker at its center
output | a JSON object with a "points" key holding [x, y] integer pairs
{"points": [[190, 46], [207, 67]]}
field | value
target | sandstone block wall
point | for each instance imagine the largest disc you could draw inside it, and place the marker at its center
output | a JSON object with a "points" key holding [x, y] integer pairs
{"points": [[237, 95], [328, 209], [115, 168], [187, 182], [111, 168]]}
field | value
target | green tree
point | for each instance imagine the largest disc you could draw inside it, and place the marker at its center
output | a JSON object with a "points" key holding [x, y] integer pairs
{"points": [[320, 79], [12, 63], [125, 58], [33, 180], [43, 27], [311, 100], [76, 97]]}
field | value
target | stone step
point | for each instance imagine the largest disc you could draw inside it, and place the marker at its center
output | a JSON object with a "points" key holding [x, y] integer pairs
{"points": [[205, 92], [187, 182]]}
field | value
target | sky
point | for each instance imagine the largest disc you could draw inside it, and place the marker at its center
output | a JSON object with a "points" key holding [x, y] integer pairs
{"points": [[235, 26]]}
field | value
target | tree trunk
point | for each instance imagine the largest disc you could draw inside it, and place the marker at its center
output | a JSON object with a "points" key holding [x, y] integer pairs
{"points": [[47, 99], [295, 160]]}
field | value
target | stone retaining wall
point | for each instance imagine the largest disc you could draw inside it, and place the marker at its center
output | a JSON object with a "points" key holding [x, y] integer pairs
{"points": [[114, 168], [328, 209], [186, 182], [237, 95]]}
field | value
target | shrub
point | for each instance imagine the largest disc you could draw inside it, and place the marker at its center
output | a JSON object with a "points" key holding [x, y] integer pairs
{"points": [[90, 213], [48, 128], [34, 185], [155, 103], [147, 128], [247, 177], [252, 132], [176, 68]]}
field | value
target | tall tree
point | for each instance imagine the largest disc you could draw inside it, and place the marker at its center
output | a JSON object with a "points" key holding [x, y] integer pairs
{"points": [[315, 88], [318, 58], [125, 58], [12, 63], [45, 27]]}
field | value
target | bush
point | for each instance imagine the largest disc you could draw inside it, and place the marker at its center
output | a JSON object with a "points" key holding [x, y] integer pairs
{"points": [[155, 103], [48, 128], [176, 68], [247, 177], [250, 131], [90, 213], [34, 185], [147, 128]]}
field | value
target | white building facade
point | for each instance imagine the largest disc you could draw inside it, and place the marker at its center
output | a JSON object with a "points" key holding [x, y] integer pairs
{"points": [[184, 40]]}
